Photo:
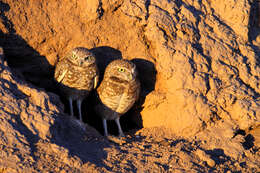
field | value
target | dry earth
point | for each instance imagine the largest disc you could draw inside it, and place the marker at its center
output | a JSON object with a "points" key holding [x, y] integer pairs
{"points": [[199, 65]]}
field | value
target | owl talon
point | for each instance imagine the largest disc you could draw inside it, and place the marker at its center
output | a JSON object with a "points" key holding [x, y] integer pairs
{"points": [[122, 135]]}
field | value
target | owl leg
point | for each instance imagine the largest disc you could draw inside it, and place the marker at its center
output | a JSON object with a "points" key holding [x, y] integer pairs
{"points": [[79, 109], [105, 127], [121, 134], [71, 107]]}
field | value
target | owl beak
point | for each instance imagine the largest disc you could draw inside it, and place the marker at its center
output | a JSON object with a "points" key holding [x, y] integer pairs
{"points": [[131, 76], [80, 63]]}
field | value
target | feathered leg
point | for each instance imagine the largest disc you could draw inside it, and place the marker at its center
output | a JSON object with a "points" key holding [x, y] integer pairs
{"points": [[119, 127], [105, 127], [71, 107], [79, 109]]}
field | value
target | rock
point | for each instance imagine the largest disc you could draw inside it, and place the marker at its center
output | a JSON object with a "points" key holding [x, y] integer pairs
{"points": [[205, 157]]}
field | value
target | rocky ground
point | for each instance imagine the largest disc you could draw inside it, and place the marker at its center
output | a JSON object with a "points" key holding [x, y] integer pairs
{"points": [[199, 67]]}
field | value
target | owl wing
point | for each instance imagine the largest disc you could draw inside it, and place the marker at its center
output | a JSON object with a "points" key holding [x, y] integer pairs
{"points": [[110, 94], [119, 97], [129, 97], [60, 71]]}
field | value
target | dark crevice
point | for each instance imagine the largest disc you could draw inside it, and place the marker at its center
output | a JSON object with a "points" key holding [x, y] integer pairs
{"points": [[256, 95], [165, 35], [147, 4], [249, 142], [100, 10], [7, 23], [118, 6], [200, 50], [239, 132]]}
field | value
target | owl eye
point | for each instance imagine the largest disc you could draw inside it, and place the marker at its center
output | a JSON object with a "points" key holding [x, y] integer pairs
{"points": [[121, 70], [87, 58], [74, 56]]}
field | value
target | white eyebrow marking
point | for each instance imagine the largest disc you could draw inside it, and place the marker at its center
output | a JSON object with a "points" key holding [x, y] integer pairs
{"points": [[133, 69]]}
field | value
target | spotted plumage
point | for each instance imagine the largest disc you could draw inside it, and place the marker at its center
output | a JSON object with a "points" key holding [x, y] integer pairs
{"points": [[118, 91], [77, 75]]}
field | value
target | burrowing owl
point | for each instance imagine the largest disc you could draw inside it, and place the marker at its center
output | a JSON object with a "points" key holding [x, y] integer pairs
{"points": [[117, 92], [77, 74]]}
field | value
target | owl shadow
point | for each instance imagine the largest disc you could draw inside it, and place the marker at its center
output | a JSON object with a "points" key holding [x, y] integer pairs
{"points": [[104, 55]]}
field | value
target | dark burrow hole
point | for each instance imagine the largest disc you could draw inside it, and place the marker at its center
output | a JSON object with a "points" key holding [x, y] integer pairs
{"points": [[249, 142]]}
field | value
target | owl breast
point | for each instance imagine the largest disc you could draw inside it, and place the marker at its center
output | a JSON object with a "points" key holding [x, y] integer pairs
{"points": [[80, 78], [119, 96]]}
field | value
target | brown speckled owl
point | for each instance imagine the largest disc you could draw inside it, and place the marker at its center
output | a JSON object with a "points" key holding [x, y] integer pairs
{"points": [[77, 75], [117, 92]]}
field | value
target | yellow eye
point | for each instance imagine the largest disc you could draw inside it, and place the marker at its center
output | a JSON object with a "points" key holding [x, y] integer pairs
{"points": [[74, 56], [89, 58], [121, 70]]}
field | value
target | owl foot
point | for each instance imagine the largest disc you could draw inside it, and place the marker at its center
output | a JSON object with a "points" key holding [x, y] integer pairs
{"points": [[121, 134]]}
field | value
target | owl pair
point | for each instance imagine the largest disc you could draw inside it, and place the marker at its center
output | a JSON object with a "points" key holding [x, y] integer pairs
{"points": [[77, 74]]}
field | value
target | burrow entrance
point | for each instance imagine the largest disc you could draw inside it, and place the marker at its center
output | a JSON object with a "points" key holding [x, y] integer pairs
{"points": [[27, 63]]}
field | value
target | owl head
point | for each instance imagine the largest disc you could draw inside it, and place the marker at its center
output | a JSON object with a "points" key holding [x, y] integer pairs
{"points": [[81, 57], [121, 69]]}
